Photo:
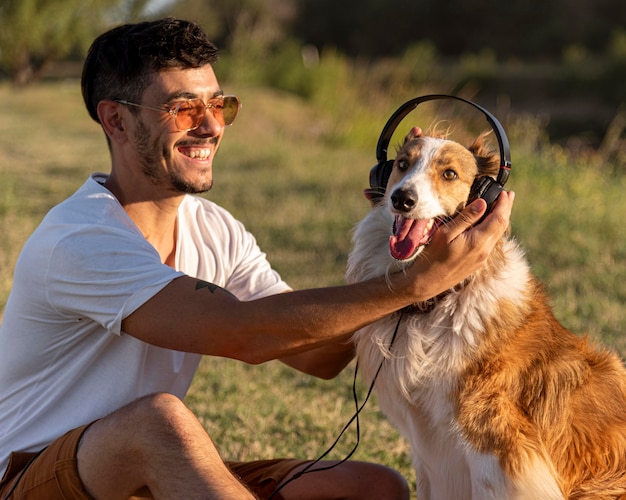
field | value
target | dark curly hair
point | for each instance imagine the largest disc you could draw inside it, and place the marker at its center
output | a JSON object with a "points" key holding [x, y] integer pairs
{"points": [[120, 62]]}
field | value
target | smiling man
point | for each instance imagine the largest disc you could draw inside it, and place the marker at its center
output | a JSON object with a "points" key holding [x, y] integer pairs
{"points": [[127, 283]]}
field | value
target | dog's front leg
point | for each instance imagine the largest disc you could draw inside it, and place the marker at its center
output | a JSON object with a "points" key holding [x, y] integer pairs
{"points": [[535, 481]]}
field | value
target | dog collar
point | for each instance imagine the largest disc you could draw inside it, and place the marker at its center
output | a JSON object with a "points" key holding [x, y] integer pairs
{"points": [[427, 306]]}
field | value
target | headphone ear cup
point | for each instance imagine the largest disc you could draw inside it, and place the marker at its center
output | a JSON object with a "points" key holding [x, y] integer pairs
{"points": [[379, 176], [488, 189]]}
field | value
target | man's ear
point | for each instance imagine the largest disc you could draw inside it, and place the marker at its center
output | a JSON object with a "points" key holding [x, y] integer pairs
{"points": [[111, 115]]}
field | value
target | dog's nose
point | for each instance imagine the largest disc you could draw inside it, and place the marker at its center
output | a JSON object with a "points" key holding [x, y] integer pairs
{"points": [[403, 200]]}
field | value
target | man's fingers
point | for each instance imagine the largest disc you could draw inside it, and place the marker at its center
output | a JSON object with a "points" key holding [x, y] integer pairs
{"points": [[501, 213], [470, 215], [496, 221]]}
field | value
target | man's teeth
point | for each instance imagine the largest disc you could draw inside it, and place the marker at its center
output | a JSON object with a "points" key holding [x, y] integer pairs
{"points": [[201, 154]]}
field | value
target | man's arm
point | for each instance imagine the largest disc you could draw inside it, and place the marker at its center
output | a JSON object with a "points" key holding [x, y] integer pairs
{"points": [[323, 362], [188, 315]]}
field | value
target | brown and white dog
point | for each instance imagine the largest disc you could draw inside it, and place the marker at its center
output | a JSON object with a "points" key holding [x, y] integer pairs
{"points": [[497, 399]]}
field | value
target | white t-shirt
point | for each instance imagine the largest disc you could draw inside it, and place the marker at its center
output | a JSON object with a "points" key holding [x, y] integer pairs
{"points": [[64, 360]]}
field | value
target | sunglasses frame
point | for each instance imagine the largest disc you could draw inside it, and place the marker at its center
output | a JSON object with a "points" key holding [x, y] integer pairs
{"points": [[173, 109]]}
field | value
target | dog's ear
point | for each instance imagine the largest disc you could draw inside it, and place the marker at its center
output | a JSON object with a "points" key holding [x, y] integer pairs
{"points": [[480, 146], [487, 158], [414, 133]]}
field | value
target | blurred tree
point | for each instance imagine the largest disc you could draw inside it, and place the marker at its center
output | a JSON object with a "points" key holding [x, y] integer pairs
{"points": [[248, 25], [251, 32], [35, 32]]}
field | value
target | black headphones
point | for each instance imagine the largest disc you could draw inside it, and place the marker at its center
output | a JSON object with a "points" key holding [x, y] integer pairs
{"points": [[484, 187]]}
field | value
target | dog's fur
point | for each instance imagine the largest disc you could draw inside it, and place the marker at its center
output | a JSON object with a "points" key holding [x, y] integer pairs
{"points": [[496, 398]]}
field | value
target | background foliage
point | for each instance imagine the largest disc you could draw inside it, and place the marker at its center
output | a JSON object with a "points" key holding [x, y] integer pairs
{"points": [[562, 59], [36, 33]]}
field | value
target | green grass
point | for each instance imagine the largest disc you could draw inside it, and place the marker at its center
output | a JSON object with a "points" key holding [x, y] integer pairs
{"points": [[299, 192]]}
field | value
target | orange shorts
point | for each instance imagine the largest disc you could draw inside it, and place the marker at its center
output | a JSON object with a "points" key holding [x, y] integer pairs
{"points": [[52, 473]]}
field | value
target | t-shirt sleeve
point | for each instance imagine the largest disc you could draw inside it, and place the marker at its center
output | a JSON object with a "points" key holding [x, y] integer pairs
{"points": [[251, 276], [218, 248], [104, 273], [254, 277]]}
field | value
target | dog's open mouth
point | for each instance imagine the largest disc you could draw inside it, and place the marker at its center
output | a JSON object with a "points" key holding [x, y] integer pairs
{"points": [[409, 235]]}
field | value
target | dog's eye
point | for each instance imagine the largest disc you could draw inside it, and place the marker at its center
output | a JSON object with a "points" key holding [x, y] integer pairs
{"points": [[449, 175], [403, 165]]}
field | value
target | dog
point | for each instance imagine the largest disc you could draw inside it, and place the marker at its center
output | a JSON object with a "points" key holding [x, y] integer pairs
{"points": [[496, 398]]}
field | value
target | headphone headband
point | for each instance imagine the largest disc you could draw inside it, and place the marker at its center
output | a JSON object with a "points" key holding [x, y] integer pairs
{"points": [[407, 107]]}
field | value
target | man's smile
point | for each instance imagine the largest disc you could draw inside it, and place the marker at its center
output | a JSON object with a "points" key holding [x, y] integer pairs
{"points": [[196, 153]]}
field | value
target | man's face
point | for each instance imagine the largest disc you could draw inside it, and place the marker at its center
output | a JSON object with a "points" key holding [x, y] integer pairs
{"points": [[180, 161]]}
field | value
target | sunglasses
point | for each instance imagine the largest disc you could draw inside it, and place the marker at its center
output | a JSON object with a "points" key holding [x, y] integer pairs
{"points": [[189, 113]]}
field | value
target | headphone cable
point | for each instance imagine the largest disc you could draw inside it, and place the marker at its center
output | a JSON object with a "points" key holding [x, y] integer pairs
{"points": [[308, 469]]}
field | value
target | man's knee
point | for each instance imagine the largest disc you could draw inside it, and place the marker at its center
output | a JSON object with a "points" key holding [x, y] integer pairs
{"points": [[160, 405], [142, 425], [122, 451], [163, 414]]}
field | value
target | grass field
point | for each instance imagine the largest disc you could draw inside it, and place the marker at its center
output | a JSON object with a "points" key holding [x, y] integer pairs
{"points": [[300, 193]]}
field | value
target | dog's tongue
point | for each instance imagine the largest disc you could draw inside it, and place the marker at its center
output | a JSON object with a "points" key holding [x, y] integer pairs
{"points": [[408, 235]]}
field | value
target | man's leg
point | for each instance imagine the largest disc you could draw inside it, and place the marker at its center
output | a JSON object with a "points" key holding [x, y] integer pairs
{"points": [[154, 444], [349, 480]]}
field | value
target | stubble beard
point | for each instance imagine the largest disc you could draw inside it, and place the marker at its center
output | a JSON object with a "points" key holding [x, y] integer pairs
{"points": [[151, 155]]}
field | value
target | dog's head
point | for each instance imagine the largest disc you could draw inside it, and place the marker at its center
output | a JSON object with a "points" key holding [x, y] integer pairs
{"points": [[429, 184]]}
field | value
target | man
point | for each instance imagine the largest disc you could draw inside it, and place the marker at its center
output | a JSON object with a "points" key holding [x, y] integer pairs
{"points": [[128, 282]]}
